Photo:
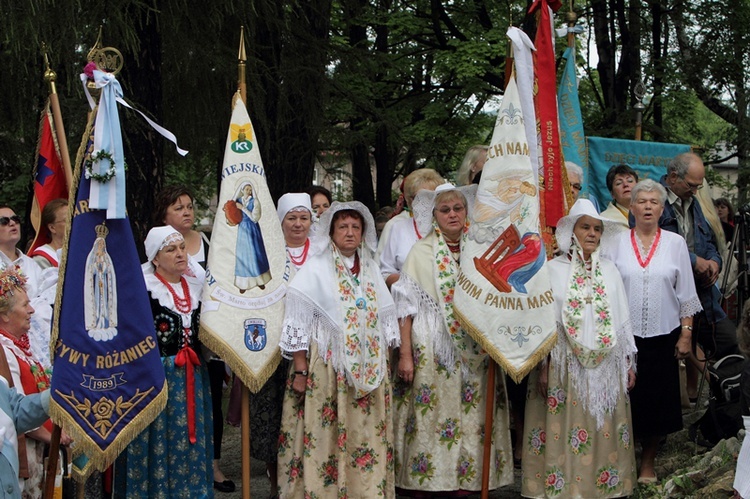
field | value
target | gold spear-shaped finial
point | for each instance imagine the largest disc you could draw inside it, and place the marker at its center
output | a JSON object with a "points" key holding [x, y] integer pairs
{"points": [[50, 77], [241, 64]]}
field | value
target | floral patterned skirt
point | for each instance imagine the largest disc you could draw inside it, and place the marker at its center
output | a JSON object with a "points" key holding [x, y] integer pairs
{"points": [[161, 462], [333, 445], [439, 421], [564, 455]]}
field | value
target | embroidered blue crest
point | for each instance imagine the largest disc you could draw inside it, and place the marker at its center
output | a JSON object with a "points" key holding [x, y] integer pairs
{"points": [[255, 334]]}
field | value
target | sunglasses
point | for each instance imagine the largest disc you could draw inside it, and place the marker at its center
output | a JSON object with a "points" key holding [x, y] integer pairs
{"points": [[7, 220]]}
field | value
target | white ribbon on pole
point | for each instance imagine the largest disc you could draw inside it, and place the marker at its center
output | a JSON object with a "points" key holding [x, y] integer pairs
{"points": [[522, 47], [110, 194]]}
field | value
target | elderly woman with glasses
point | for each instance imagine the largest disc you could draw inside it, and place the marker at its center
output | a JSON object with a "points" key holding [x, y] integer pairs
{"points": [[442, 374]]}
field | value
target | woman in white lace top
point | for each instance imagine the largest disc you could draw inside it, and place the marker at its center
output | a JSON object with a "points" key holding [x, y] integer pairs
{"points": [[658, 277]]}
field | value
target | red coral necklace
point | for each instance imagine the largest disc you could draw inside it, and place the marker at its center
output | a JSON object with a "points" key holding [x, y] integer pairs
{"points": [[183, 305]]}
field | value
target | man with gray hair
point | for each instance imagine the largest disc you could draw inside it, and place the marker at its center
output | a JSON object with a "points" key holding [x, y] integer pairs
{"points": [[575, 178], [683, 215]]}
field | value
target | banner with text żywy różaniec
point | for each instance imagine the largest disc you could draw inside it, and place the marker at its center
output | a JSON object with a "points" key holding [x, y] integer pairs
{"points": [[108, 383], [246, 278], [503, 296], [649, 159]]}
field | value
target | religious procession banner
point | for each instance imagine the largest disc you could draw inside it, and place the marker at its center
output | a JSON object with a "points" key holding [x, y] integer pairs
{"points": [[649, 159], [572, 136], [246, 279], [555, 182], [108, 381], [49, 179], [503, 296]]}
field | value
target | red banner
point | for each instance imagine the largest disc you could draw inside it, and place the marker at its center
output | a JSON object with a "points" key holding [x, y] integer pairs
{"points": [[545, 82], [49, 177]]}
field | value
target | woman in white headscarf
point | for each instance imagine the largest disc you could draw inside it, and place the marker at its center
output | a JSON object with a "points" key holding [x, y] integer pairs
{"points": [[173, 456], [578, 430], [441, 382], [336, 431], [295, 215]]}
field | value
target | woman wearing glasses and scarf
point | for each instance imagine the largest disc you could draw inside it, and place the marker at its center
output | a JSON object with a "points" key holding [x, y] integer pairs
{"points": [[439, 391]]}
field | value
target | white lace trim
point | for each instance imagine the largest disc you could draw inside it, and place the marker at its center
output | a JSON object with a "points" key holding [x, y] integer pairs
{"points": [[690, 308], [429, 324], [599, 388], [304, 322]]}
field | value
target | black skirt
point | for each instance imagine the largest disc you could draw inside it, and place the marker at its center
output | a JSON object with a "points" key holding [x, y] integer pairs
{"points": [[655, 399]]}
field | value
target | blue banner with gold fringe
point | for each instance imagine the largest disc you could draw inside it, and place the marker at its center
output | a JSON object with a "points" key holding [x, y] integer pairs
{"points": [[108, 382]]}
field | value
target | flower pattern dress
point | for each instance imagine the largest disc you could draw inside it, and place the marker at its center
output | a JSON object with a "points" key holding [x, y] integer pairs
{"points": [[439, 417], [337, 440], [161, 462], [333, 445], [565, 452]]}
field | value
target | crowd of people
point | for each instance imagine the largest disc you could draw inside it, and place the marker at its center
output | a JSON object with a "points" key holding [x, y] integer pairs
{"points": [[381, 390]]}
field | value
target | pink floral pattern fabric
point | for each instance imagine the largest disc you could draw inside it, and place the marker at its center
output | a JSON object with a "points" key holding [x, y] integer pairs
{"points": [[333, 444], [586, 287], [564, 455]]}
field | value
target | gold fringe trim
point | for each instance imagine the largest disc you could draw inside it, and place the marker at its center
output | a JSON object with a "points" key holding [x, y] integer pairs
{"points": [[98, 459], [66, 239], [254, 382], [516, 374]]}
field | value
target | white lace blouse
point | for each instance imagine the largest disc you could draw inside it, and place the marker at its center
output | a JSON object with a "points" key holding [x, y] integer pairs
{"points": [[661, 293]]}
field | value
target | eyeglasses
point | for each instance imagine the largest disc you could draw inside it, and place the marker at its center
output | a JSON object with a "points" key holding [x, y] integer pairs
{"points": [[692, 187], [447, 209], [7, 220]]}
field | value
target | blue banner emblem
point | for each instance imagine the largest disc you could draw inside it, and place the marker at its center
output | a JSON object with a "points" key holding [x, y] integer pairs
{"points": [[255, 334]]}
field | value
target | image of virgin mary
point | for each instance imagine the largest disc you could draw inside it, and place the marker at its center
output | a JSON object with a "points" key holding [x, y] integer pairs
{"points": [[251, 268], [100, 290]]}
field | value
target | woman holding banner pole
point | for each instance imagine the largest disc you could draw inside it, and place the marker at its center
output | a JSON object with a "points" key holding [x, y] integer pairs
{"points": [[442, 375], [173, 456], [578, 426]]}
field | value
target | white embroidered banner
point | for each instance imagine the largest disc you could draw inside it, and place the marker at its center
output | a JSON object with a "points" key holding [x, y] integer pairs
{"points": [[503, 296], [245, 280]]}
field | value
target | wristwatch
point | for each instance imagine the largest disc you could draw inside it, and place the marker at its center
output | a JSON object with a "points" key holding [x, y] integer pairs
{"points": [[301, 373]]}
